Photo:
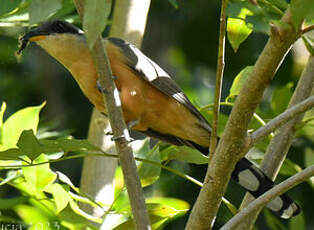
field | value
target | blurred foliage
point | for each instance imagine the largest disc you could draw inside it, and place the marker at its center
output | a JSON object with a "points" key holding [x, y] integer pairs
{"points": [[182, 37]]}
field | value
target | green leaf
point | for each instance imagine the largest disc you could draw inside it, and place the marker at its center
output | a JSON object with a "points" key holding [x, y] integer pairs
{"points": [[309, 43], [184, 153], [289, 168], [60, 196], [11, 154], [162, 210], [174, 3], [11, 175], [74, 145], [148, 173], [178, 207], [71, 220], [239, 81], [273, 222], [96, 14], [39, 176], [301, 9], [281, 97], [8, 5], [156, 222], [34, 217], [237, 29], [297, 222], [23, 119], [2, 110], [40, 10], [282, 4], [9, 203], [309, 157], [29, 145]]}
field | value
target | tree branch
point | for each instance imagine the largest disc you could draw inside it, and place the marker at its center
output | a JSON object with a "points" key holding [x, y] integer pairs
{"points": [[98, 172], [307, 29], [219, 76], [121, 134], [281, 142], [232, 143], [261, 201], [281, 119]]}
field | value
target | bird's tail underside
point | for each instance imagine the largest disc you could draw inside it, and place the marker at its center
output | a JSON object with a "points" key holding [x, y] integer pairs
{"points": [[256, 182]]}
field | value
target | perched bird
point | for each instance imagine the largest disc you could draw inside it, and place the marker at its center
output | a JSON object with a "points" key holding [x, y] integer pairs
{"points": [[152, 103]]}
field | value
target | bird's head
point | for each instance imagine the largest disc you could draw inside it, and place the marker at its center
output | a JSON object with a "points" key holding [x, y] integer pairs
{"points": [[52, 34]]}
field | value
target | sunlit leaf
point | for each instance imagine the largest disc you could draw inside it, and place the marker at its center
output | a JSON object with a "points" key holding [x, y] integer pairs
{"points": [[272, 221], [156, 222], [184, 153], [237, 29], [34, 217], [40, 175], [60, 196], [2, 110], [23, 119], [239, 81], [40, 10], [29, 145], [71, 220], [11, 175], [74, 206], [96, 14], [178, 207]]}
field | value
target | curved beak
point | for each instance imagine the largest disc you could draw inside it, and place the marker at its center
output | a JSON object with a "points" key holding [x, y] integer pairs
{"points": [[34, 35], [31, 36]]}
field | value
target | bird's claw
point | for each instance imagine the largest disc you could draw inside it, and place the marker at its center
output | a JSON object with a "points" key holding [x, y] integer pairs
{"points": [[100, 88]]}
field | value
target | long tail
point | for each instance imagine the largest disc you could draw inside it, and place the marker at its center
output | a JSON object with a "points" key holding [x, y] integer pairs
{"points": [[250, 177], [256, 182]]}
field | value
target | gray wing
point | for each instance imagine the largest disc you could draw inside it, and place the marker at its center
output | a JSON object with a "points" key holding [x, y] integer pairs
{"points": [[152, 73]]}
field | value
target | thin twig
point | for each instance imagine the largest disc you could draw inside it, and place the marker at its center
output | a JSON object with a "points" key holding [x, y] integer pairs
{"points": [[233, 140], [268, 196], [281, 119], [219, 76], [279, 146], [307, 29]]}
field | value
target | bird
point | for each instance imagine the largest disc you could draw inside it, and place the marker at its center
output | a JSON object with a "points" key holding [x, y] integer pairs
{"points": [[152, 103]]}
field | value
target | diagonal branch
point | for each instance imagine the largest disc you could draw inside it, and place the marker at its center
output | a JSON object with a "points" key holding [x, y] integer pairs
{"points": [[268, 196], [232, 144], [281, 119], [281, 142]]}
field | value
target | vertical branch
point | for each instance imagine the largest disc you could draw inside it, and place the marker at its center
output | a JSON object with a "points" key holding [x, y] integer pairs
{"points": [[232, 143], [281, 142], [129, 20], [99, 123], [219, 75]]}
